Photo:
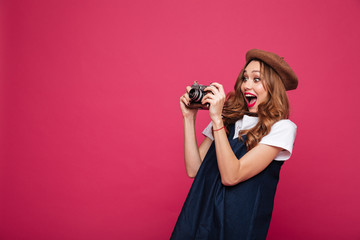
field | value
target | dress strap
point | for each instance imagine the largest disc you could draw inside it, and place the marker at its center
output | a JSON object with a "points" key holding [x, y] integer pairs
{"points": [[232, 131]]}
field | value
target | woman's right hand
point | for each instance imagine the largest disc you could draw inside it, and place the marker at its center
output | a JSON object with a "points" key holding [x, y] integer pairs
{"points": [[184, 102]]}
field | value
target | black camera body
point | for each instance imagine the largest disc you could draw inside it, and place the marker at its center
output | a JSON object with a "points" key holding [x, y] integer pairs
{"points": [[196, 94]]}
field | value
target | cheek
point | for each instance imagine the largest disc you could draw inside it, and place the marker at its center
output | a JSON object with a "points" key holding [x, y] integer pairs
{"points": [[262, 93], [260, 89]]}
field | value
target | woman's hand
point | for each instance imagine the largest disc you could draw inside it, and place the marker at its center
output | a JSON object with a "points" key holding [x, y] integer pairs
{"points": [[184, 102], [216, 101]]}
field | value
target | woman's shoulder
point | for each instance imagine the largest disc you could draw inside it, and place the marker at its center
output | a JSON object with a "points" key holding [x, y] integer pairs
{"points": [[282, 135], [282, 128], [285, 123]]}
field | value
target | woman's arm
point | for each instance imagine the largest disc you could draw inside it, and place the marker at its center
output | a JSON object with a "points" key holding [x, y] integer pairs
{"points": [[233, 170], [193, 154]]}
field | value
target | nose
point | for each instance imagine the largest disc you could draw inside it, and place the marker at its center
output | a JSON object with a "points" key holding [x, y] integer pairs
{"points": [[247, 85]]}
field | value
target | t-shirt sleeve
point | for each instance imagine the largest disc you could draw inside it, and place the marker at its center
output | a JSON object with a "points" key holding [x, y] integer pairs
{"points": [[282, 135], [208, 131]]}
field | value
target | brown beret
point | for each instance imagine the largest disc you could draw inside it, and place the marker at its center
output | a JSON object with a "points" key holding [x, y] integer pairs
{"points": [[285, 72]]}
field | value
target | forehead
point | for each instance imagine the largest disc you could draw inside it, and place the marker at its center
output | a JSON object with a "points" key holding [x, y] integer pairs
{"points": [[253, 66]]}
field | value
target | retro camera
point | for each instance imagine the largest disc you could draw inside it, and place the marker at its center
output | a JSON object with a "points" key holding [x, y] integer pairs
{"points": [[196, 94]]}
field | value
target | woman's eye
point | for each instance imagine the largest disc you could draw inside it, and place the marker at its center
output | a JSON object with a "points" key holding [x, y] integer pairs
{"points": [[244, 79], [257, 79]]}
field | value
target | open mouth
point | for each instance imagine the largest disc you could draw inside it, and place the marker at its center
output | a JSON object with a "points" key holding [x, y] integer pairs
{"points": [[250, 99]]}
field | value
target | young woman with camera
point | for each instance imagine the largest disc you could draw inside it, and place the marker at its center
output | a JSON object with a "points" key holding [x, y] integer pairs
{"points": [[236, 167]]}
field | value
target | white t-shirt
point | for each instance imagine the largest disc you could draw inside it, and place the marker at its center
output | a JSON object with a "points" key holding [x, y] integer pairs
{"points": [[282, 134]]}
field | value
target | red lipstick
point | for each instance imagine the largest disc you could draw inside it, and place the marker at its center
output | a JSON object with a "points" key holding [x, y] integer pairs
{"points": [[250, 99]]}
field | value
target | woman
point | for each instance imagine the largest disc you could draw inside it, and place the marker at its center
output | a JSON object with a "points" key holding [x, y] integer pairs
{"points": [[236, 167]]}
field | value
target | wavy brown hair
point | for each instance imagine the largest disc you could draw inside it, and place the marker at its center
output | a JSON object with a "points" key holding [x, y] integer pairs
{"points": [[275, 108]]}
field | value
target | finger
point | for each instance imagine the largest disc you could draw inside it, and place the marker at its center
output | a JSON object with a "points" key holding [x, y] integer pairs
{"points": [[218, 96], [212, 89], [218, 86], [208, 102], [215, 98], [209, 96], [186, 96], [184, 99], [208, 99], [215, 84]]}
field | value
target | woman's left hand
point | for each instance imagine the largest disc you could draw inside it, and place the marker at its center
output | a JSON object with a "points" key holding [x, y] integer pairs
{"points": [[216, 101]]}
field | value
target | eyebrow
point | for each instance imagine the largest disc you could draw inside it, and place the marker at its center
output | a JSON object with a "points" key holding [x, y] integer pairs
{"points": [[253, 71]]}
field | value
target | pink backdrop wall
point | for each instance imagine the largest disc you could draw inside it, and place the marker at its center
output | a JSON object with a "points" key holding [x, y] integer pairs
{"points": [[91, 132]]}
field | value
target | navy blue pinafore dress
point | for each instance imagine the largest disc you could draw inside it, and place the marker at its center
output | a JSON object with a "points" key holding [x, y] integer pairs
{"points": [[213, 211]]}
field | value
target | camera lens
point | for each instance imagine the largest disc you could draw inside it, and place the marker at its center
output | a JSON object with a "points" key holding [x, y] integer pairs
{"points": [[195, 95]]}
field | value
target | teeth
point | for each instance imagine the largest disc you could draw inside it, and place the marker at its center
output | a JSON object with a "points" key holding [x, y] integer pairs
{"points": [[249, 95]]}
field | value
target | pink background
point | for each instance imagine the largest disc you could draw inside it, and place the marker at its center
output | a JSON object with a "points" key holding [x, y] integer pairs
{"points": [[91, 131]]}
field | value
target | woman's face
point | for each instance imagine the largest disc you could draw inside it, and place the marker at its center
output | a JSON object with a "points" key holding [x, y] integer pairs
{"points": [[252, 86]]}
